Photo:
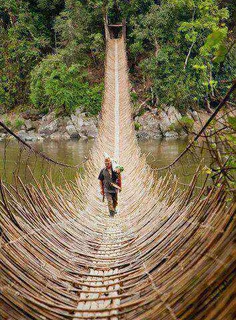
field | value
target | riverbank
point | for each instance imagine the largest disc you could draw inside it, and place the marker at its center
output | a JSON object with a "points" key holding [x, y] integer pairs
{"points": [[156, 123], [50, 126]]}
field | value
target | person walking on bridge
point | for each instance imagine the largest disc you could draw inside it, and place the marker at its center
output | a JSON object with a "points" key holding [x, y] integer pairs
{"points": [[110, 183]]}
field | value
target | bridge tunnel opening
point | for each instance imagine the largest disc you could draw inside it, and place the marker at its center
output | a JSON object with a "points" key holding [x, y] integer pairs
{"points": [[115, 22], [115, 31]]}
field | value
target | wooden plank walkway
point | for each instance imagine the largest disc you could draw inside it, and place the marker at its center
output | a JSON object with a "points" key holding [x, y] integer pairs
{"points": [[108, 297]]}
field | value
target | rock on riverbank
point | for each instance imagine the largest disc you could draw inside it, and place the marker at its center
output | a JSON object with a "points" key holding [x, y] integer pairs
{"points": [[76, 126], [167, 122]]}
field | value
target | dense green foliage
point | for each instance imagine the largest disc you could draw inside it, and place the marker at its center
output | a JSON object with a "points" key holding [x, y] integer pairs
{"points": [[64, 87], [49, 52], [185, 48], [52, 52], [23, 39]]}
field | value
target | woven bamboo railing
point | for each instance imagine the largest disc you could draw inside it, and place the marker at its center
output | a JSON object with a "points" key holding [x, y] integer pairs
{"points": [[168, 254]]}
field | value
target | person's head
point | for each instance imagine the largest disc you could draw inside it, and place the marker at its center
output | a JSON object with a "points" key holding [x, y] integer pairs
{"points": [[108, 163]]}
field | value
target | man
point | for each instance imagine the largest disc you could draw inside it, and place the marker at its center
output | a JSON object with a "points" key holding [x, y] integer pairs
{"points": [[110, 182]]}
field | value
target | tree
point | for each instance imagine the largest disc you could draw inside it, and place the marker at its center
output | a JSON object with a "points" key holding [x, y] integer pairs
{"points": [[23, 39], [64, 88], [180, 47]]}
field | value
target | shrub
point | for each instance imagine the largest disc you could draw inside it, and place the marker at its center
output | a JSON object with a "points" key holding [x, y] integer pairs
{"points": [[18, 123], [7, 122], [187, 123], [176, 126]]}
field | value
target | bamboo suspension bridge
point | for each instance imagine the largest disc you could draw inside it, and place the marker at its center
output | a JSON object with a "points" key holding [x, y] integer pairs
{"points": [[168, 254]]}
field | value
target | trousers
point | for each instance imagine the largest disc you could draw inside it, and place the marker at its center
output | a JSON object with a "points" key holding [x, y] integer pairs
{"points": [[112, 201]]}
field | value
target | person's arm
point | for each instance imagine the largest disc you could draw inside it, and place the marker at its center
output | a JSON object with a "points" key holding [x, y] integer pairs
{"points": [[102, 187], [101, 178]]}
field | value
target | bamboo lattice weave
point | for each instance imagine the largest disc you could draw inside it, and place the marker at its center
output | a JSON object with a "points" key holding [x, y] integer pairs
{"points": [[166, 255]]}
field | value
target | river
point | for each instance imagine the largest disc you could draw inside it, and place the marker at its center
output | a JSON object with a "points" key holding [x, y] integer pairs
{"points": [[159, 153]]}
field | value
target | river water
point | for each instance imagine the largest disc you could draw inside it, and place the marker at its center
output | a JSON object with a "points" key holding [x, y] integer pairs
{"points": [[12, 160]]}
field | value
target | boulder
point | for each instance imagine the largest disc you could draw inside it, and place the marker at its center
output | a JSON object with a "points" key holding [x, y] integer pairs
{"points": [[182, 133], [142, 135], [36, 124], [72, 131], [150, 126], [34, 137], [29, 136], [171, 134], [89, 130], [154, 126], [32, 115], [82, 137], [63, 122], [167, 117], [48, 128], [68, 123], [57, 136], [81, 126], [49, 117], [173, 114], [65, 136], [202, 117], [29, 125], [21, 133], [77, 121]]}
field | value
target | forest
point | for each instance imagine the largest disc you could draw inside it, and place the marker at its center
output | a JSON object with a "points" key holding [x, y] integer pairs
{"points": [[181, 53]]}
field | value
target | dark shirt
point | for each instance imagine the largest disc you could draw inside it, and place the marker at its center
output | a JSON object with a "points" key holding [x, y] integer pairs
{"points": [[106, 178]]}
